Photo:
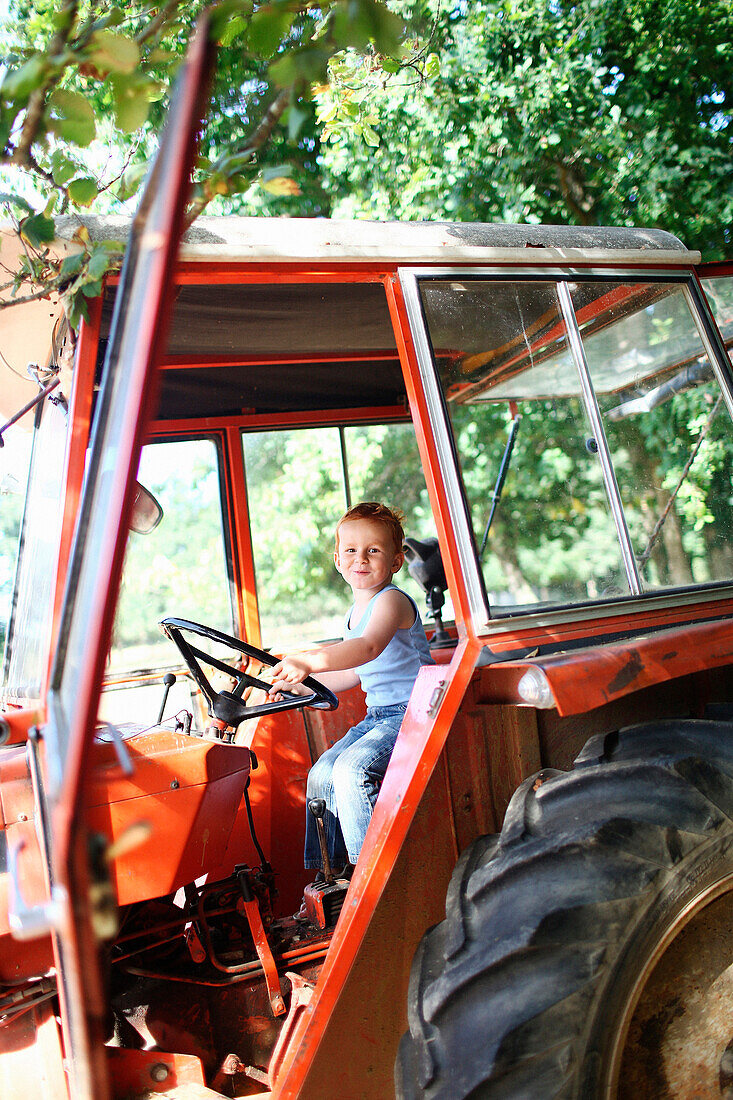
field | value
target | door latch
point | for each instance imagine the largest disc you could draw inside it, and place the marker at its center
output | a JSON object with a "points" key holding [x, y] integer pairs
{"points": [[30, 922], [436, 698]]}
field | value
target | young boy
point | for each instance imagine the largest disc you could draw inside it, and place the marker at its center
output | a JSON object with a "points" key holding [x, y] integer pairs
{"points": [[383, 648]]}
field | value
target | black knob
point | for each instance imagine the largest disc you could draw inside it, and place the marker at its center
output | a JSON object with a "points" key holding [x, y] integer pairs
{"points": [[317, 806]]}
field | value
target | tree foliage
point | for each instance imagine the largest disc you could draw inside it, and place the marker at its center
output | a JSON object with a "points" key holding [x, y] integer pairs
{"points": [[87, 85], [609, 112], [591, 112]]}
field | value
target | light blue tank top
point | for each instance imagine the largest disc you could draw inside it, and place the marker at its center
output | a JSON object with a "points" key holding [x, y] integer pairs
{"points": [[388, 679]]}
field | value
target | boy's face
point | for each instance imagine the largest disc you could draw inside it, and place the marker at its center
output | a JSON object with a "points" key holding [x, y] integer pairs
{"points": [[366, 557]]}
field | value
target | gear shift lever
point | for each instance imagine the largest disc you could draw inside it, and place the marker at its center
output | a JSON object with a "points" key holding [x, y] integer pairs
{"points": [[317, 806]]}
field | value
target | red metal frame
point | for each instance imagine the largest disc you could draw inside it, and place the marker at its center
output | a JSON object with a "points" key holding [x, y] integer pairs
{"points": [[184, 362], [714, 269], [428, 453], [80, 415], [415, 757], [267, 421], [81, 991], [241, 534]]}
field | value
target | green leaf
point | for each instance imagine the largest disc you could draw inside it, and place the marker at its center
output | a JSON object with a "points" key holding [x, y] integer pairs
{"points": [[232, 31], [158, 56], [98, 264], [267, 29], [83, 190], [132, 177], [308, 65], [371, 137], [279, 181], [62, 168], [277, 172], [76, 309], [432, 65], [63, 17], [16, 200], [111, 52], [360, 22], [38, 230], [297, 118], [391, 65], [19, 83], [132, 95], [71, 265], [70, 117], [7, 118], [228, 20]]}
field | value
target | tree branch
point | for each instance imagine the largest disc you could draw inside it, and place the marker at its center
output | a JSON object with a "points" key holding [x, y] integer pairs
{"points": [[579, 200], [158, 22], [56, 285], [37, 100], [271, 118]]}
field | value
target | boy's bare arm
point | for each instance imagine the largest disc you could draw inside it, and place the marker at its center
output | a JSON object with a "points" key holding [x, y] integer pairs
{"points": [[392, 612], [336, 681]]}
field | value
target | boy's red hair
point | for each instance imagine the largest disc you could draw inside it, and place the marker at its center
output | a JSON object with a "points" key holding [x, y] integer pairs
{"points": [[391, 518]]}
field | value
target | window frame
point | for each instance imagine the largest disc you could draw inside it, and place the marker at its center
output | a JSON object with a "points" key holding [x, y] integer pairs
{"points": [[384, 416], [637, 603]]}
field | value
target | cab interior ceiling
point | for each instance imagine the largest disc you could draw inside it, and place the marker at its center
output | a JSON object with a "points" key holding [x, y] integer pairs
{"points": [[303, 347]]}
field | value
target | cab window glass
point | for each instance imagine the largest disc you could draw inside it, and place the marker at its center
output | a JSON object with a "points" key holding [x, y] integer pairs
{"points": [[719, 291], [531, 475], [180, 567], [668, 430], [299, 482], [546, 522]]}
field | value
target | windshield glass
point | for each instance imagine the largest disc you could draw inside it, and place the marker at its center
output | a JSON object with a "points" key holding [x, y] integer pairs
{"points": [[719, 291], [545, 441], [26, 649]]}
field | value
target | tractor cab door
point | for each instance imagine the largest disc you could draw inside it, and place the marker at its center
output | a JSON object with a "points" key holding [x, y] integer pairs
{"points": [[77, 913]]}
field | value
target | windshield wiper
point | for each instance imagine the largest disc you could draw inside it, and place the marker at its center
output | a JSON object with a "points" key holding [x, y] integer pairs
{"points": [[501, 478]]}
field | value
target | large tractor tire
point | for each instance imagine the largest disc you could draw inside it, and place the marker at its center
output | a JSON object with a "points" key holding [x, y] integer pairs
{"points": [[588, 950]]}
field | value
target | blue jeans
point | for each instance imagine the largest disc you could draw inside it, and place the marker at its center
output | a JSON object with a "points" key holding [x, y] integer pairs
{"points": [[348, 776]]}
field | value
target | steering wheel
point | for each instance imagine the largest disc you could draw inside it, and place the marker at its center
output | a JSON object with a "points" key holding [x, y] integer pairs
{"points": [[229, 706]]}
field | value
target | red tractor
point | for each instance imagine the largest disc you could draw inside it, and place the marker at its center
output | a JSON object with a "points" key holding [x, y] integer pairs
{"points": [[543, 903]]}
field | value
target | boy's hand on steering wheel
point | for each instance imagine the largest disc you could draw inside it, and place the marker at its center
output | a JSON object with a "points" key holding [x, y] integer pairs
{"points": [[288, 675]]}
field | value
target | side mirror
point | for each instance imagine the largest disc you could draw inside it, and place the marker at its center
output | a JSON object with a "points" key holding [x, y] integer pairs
{"points": [[146, 511]]}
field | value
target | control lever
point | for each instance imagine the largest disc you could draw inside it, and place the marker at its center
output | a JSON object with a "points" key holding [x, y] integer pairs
{"points": [[317, 806], [168, 680]]}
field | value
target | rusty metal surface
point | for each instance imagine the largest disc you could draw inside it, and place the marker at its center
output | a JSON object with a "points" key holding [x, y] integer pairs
{"points": [[264, 953], [583, 679], [138, 1073], [680, 1041], [228, 1029]]}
